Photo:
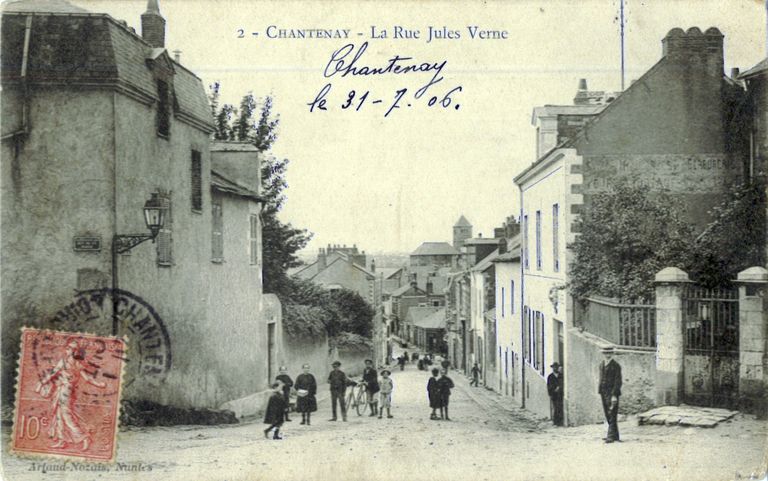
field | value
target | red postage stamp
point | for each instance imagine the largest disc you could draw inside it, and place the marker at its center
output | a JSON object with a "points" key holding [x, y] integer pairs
{"points": [[68, 395]]}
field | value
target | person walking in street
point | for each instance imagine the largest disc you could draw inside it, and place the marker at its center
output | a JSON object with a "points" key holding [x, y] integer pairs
{"points": [[445, 384], [401, 362], [555, 391], [371, 380], [306, 391], [385, 395], [405, 357], [287, 383], [609, 389], [339, 382], [475, 375], [275, 414], [433, 393]]}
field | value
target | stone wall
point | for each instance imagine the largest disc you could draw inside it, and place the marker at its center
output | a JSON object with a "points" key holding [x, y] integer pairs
{"points": [[638, 369]]}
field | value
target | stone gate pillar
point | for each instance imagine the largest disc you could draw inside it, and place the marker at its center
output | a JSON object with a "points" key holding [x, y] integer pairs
{"points": [[670, 284], [753, 334]]}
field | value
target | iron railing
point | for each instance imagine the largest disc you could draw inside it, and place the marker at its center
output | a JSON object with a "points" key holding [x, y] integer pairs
{"points": [[630, 325]]}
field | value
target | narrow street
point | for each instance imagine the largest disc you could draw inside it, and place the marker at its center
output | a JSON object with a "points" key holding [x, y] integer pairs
{"points": [[482, 441]]}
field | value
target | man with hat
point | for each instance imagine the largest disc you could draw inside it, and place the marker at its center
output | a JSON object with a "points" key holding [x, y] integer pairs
{"points": [[371, 380], [555, 391], [339, 382], [609, 389]]}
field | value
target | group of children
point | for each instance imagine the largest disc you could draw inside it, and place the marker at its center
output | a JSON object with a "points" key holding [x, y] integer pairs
{"points": [[278, 405], [439, 392], [438, 389]]}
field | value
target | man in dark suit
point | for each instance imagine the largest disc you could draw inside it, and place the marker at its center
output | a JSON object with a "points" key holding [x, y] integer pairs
{"points": [[610, 390], [555, 391]]}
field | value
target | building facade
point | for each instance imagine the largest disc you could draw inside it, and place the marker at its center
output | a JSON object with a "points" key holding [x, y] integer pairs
{"points": [[98, 119]]}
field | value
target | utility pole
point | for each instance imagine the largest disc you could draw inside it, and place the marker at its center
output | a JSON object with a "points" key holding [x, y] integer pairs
{"points": [[621, 28]]}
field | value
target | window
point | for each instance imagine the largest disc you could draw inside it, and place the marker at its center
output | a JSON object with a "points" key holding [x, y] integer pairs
{"points": [[435, 303], [526, 253], [502, 301], [164, 239], [533, 345], [196, 175], [217, 232], [555, 239], [163, 109], [511, 297], [253, 235], [538, 240]]}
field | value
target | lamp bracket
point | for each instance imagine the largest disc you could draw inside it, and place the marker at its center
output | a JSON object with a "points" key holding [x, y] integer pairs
{"points": [[124, 243]]}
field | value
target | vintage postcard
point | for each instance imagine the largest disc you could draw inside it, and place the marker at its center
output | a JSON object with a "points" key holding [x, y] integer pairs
{"points": [[378, 240]]}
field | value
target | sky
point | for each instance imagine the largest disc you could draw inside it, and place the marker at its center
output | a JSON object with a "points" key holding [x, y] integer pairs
{"points": [[390, 183]]}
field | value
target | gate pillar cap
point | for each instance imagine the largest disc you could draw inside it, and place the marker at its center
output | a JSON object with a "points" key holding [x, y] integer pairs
{"points": [[756, 274], [672, 274]]}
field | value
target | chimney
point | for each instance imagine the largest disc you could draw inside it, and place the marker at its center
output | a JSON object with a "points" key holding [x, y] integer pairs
{"points": [[177, 56], [429, 286], [498, 232], [413, 280], [153, 25], [502, 246], [691, 47], [735, 73], [373, 265], [321, 260], [583, 84]]}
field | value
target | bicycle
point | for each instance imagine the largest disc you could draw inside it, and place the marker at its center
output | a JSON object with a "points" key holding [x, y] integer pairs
{"points": [[357, 399]]}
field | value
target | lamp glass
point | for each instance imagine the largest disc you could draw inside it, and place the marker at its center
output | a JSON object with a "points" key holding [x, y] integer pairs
{"points": [[154, 214]]}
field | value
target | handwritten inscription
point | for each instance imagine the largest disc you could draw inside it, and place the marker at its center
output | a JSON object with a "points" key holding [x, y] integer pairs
{"points": [[346, 61]]}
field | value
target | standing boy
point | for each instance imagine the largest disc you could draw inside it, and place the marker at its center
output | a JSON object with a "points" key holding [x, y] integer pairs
{"points": [[475, 375], [287, 382], [371, 380], [433, 392], [387, 386], [445, 384], [339, 382], [275, 411]]}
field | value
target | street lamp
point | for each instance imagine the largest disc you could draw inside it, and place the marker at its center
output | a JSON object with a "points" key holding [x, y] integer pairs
{"points": [[154, 218]]}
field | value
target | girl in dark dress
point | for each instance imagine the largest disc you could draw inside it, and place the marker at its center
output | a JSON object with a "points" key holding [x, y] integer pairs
{"points": [[284, 378], [433, 391], [306, 387], [445, 384], [275, 411]]}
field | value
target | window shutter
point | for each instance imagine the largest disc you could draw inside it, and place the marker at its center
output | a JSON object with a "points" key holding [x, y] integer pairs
{"points": [[217, 232], [164, 239], [197, 181], [556, 236]]}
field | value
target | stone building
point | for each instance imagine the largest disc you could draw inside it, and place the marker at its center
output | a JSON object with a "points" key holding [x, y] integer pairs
{"points": [[673, 129], [97, 120]]}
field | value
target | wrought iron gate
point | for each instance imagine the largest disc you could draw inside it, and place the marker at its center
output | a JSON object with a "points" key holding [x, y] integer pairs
{"points": [[711, 336]]}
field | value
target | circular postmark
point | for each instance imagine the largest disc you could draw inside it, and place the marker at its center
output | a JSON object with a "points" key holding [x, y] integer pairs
{"points": [[148, 358]]}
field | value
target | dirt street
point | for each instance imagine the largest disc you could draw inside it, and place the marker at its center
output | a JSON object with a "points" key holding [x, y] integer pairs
{"points": [[483, 442]]}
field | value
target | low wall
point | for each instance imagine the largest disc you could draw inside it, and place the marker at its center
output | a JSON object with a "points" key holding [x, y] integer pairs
{"points": [[638, 370], [312, 351], [352, 360], [536, 395]]}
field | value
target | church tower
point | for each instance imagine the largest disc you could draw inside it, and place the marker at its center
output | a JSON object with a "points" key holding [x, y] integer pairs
{"points": [[461, 232], [153, 25]]}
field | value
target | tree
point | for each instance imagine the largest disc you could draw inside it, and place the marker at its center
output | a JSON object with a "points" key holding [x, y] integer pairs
{"points": [[281, 241], [626, 236], [734, 240]]}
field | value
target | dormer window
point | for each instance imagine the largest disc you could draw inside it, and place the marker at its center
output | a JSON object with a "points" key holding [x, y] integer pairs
{"points": [[163, 109]]}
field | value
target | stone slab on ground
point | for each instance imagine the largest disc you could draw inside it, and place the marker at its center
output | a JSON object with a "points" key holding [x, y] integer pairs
{"points": [[686, 416]]}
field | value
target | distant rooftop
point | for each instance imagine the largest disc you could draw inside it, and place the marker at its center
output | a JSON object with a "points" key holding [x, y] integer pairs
{"points": [[48, 6], [435, 249], [762, 66], [462, 222]]}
